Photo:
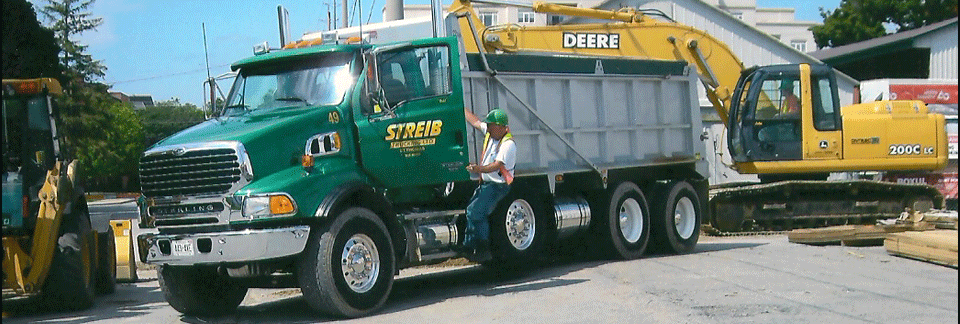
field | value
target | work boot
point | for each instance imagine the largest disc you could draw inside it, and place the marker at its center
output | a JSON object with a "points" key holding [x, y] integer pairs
{"points": [[481, 253]]}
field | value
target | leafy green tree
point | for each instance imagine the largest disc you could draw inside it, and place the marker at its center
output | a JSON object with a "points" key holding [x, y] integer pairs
{"points": [[29, 49], [116, 156], [859, 20], [71, 18], [167, 118], [105, 135]]}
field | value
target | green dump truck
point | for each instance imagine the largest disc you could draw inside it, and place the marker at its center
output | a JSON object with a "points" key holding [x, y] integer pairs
{"points": [[333, 166]]}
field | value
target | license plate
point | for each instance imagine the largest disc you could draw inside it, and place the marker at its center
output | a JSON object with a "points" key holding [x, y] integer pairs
{"points": [[182, 248]]}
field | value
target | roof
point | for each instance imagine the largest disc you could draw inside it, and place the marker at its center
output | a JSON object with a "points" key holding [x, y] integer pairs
{"points": [[890, 42], [293, 53]]}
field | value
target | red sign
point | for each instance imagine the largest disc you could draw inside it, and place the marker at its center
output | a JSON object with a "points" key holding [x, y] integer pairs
{"points": [[945, 182], [928, 93]]}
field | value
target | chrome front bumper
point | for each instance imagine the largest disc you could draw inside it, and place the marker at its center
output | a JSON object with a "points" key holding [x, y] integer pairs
{"points": [[218, 247]]}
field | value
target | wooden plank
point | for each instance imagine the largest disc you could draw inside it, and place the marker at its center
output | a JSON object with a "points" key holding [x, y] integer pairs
{"points": [[938, 246], [852, 235]]}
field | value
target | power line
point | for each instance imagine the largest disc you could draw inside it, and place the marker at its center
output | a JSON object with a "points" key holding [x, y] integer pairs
{"points": [[165, 75]]}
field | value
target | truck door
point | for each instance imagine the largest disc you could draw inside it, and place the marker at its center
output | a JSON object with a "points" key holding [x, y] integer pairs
{"points": [[411, 123]]}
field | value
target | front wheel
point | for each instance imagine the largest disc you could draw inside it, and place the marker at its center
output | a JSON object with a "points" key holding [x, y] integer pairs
{"points": [[70, 282], [347, 269], [625, 226], [676, 217], [200, 290]]}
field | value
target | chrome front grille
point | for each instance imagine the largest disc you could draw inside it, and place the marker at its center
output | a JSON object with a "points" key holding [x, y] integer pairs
{"points": [[204, 169]]}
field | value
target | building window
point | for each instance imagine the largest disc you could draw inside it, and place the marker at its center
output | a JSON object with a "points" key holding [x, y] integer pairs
{"points": [[489, 18], [800, 45], [738, 15], [557, 19], [525, 17]]}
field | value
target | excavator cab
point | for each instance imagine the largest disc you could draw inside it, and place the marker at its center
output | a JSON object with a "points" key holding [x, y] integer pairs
{"points": [[779, 109]]}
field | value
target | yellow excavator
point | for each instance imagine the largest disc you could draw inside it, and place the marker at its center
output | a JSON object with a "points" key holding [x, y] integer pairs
{"points": [[784, 122], [52, 257]]}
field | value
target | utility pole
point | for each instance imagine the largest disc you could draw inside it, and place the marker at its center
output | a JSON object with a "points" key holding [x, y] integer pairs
{"points": [[393, 10], [210, 80], [346, 21]]}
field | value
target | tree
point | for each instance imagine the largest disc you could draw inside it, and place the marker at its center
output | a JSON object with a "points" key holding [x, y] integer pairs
{"points": [[29, 49], [105, 136], [167, 118], [859, 20], [71, 18]]}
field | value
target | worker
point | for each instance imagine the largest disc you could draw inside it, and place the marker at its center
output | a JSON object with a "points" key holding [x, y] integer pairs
{"points": [[789, 102], [496, 174]]}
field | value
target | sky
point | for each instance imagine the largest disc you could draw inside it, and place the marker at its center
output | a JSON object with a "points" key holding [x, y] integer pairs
{"points": [[157, 47]]}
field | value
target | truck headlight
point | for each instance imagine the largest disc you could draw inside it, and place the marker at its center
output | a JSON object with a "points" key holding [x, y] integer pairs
{"points": [[268, 205]]}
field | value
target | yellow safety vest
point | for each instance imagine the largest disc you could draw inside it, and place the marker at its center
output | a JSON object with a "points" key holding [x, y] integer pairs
{"points": [[503, 169]]}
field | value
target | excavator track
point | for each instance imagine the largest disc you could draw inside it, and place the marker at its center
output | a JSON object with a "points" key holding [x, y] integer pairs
{"points": [[765, 208]]}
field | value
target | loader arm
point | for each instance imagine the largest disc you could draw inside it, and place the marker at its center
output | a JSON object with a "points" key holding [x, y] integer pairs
{"points": [[632, 34]]}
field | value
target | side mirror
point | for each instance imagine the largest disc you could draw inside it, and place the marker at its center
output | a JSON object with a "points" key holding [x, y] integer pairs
{"points": [[374, 101]]}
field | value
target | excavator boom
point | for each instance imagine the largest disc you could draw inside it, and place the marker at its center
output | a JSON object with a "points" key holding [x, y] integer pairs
{"points": [[632, 34]]}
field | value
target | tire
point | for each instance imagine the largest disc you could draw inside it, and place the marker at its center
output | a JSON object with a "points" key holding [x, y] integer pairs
{"points": [[107, 265], [521, 228], [70, 282], [676, 217], [625, 225], [357, 235], [200, 291]]}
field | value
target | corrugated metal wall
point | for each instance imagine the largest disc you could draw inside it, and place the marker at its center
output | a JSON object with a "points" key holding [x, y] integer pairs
{"points": [[943, 52]]}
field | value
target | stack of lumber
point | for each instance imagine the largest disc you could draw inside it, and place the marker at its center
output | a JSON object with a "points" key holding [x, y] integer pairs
{"points": [[943, 219], [939, 246], [852, 235]]}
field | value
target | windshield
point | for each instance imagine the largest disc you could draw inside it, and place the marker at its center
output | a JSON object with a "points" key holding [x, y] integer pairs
{"points": [[311, 81]]}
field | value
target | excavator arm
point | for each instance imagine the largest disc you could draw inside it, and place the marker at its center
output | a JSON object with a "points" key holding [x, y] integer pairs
{"points": [[631, 34]]}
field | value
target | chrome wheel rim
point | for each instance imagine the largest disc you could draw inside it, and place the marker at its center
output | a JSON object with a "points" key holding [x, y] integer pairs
{"points": [[521, 225], [685, 217], [360, 263], [631, 220]]}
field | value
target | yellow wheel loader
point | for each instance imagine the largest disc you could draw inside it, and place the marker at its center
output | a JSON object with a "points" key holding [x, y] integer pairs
{"points": [[52, 257]]}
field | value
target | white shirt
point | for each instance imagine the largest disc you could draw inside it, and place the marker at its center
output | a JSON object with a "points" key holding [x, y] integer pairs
{"points": [[507, 154]]}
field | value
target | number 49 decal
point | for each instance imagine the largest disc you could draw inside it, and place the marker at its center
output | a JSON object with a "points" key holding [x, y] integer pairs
{"points": [[910, 149]]}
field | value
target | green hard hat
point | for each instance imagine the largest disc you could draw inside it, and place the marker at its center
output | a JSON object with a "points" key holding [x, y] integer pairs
{"points": [[497, 116]]}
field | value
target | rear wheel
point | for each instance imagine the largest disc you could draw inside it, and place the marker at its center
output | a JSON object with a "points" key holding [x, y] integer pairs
{"points": [[107, 265], [520, 229], [70, 283], [625, 228], [200, 290], [676, 217], [347, 269]]}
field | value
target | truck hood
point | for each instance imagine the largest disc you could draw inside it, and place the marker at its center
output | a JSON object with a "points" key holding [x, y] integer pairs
{"points": [[273, 139], [243, 128]]}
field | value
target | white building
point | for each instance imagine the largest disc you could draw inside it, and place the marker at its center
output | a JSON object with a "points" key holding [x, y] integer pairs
{"points": [[928, 52]]}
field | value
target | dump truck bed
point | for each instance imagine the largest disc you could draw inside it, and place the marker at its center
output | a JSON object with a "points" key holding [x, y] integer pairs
{"points": [[574, 114]]}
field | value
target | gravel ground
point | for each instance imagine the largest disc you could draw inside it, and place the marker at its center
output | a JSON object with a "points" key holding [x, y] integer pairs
{"points": [[758, 279]]}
